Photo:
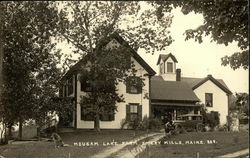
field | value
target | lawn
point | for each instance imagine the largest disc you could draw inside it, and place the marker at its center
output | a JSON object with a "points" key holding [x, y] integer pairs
{"points": [[47, 150], [226, 142]]}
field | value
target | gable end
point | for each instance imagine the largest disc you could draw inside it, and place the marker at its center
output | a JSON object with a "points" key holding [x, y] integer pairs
{"points": [[217, 83]]}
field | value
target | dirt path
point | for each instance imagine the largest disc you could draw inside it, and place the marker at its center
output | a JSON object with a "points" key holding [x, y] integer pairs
{"points": [[114, 149], [137, 149], [236, 154]]}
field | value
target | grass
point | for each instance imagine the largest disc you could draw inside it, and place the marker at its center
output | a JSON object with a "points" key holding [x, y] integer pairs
{"points": [[47, 150], [227, 142]]}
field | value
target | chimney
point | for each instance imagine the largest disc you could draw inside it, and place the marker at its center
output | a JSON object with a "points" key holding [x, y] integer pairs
{"points": [[178, 74]]}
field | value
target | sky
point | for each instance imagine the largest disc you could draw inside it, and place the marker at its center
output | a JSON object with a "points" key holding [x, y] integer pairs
{"points": [[199, 60], [194, 59]]}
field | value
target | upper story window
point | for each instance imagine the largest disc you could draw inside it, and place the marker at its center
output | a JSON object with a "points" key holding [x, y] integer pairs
{"points": [[70, 86], [209, 99], [85, 84], [134, 85], [161, 68], [169, 67]]}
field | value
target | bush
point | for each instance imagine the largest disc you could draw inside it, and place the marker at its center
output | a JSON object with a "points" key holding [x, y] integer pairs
{"points": [[135, 124], [212, 119], [155, 124], [223, 128]]}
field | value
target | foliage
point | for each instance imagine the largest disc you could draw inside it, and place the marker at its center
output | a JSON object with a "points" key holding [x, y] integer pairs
{"points": [[240, 103], [30, 72], [223, 128], [212, 119], [225, 21], [89, 26], [155, 124], [135, 124]]}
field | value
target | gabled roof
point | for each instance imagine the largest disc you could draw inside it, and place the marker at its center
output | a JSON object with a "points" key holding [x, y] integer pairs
{"points": [[137, 57], [121, 41], [196, 82], [171, 90], [164, 57]]}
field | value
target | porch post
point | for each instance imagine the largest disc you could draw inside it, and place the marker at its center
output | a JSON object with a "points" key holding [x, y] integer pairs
{"points": [[174, 114]]}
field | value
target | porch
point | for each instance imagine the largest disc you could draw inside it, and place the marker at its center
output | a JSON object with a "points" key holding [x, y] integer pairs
{"points": [[167, 111]]}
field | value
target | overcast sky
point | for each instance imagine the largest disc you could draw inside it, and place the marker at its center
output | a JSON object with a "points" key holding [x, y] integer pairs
{"points": [[194, 59], [199, 60]]}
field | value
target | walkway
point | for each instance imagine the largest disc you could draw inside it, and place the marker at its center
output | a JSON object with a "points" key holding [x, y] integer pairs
{"points": [[114, 149], [137, 149], [236, 154]]}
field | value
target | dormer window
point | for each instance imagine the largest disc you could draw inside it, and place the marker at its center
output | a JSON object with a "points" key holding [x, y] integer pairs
{"points": [[169, 67]]}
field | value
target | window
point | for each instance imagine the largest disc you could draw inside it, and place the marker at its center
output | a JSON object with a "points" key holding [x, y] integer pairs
{"points": [[209, 99], [70, 86], [134, 85], [85, 85], [161, 68], [169, 67], [89, 116], [133, 111], [107, 116], [86, 115]]}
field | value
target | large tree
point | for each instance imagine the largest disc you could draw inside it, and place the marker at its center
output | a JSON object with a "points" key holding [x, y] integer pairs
{"points": [[29, 52], [225, 21], [89, 25]]}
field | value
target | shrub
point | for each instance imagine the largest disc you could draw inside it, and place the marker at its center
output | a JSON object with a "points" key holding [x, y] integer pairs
{"points": [[223, 128], [154, 124], [135, 124], [212, 119]]}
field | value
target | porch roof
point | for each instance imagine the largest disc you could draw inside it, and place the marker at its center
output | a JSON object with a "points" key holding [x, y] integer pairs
{"points": [[175, 104]]}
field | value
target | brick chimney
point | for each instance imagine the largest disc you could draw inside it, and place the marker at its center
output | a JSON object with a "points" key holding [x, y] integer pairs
{"points": [[178, 74]]}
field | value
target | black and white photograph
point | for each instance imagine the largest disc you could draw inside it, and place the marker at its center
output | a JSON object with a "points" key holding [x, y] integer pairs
{"points": [[124, 79]]}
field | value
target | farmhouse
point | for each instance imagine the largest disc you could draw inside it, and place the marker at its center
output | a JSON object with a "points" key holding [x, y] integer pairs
{"points": [[168, 94]]}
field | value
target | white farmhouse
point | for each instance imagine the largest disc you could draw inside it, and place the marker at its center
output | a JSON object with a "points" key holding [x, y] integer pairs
{"points": [[167, 93]]}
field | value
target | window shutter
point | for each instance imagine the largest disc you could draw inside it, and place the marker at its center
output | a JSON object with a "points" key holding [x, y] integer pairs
{"points": [[140, 112], [112, 116], [127, 112]]}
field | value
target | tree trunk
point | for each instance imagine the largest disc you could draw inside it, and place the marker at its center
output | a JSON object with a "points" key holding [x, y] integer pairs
{"points": [[1, 50], [97, 123], [20, 132], [38, 133], [9, 131]]}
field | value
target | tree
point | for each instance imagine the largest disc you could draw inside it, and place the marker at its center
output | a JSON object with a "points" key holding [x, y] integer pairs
{"points": [[225, 21], [89, 25], [28, 52]]}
